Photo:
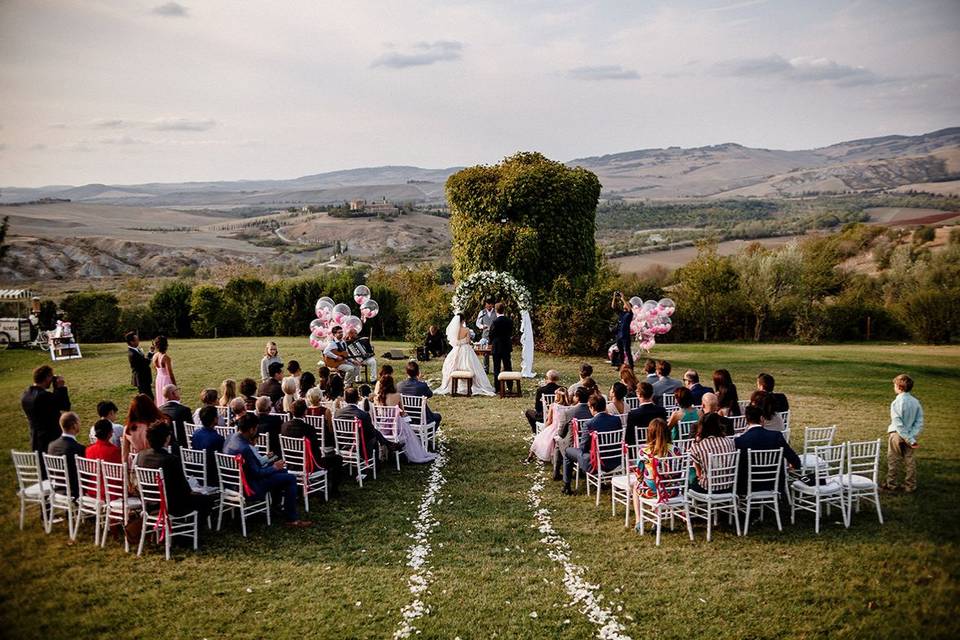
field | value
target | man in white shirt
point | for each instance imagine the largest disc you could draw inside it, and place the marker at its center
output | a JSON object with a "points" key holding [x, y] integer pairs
{"points": [[341, 364], [371, 362], [485, 319]]}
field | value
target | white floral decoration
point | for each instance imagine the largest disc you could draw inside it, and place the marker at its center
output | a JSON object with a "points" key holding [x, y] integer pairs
{"points": [[490, 280]]}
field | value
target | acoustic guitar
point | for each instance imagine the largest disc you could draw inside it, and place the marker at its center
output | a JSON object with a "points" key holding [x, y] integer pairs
{"points": [[333, 364]]}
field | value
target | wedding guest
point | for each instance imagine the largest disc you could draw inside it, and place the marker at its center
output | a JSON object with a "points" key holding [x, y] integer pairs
{"points": [[639, 419], [590, 385], [624, 320], [766, 382], [434, 342], [271, 354], [164, 366], [711, 404], [618, 393], [294, 370], [388, 396], [556, 415], [141, 376], [67, 445], [579, 411], [102, 447], [289, 387], [271, 386], [269, 423], [176, 412], [650, 369], [238, 409], [352, 411], [208, 439], [335, 352], [248, 391], [107, 410], [726, 393], [535, 415], [208, 398], [307, 381], [665, 384], [600, 422], [366, 397], [684, 413], [906, 423], [323, 377], [585, 372], [711, 439], [629, 380], [414, 386], [757, 438], [385, 370], [658, 446], [771, 419], [265, 478], [335, 387], [181, 499], [141, 414], [42, 407], [297, 427], [691, 380], [228, 391]]}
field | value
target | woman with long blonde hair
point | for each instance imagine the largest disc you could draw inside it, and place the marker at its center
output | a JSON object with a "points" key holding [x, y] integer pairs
{"points": [[659, 445], [228, 391]]}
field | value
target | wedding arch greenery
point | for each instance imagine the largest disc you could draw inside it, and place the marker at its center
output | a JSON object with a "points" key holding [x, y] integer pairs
{"points": [[490, 283], [528, 216]]}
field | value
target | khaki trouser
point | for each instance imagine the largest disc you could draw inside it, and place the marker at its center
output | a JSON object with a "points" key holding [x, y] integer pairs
{"points": [[900, 454]]}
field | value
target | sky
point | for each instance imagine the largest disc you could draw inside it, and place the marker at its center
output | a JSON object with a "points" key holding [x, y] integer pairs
{"points": [[132, 91]]}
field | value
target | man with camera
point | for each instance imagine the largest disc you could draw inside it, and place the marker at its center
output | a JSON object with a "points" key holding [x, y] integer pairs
{"points": [[43, 407], [623, 326]]}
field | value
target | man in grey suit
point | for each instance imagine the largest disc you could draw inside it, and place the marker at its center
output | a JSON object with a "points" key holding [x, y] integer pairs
{"points": [[485, 318], [67, 445], [564, 437], [414, 386], [665, 384]]}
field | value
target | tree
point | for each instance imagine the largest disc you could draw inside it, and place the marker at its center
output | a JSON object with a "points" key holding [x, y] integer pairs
{"points": [[707, 287], [767, 278], [93, 314], [170, 307]]}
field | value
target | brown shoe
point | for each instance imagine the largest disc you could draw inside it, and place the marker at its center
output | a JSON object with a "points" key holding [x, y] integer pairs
{"points": [[889, 488], [298, 524]]}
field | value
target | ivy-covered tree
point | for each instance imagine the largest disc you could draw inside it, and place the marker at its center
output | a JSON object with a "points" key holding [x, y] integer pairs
{"points": [[529, 216]]}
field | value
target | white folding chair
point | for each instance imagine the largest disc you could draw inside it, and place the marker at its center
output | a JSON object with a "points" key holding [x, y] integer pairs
{"points": [[31, 488], [319, 425], [670, 499], [814, 437], [60, 498], [739, 424], [189, 428], [669, 402], [90, 502], [283, 415], [609, 449], [764, 468], [621, 488], [639, 439], [721, 493], [166, 525], [299, 461], [631, 402], [415, 408], [859, 479], [683, 444], [226, 432], [385, 421], [685, 429], [743, 405], [232, 495], [119, 502], [356, 452], [546, 401], [263, 444], [827, 489], [785, 416], [223, 415], [194, 462]]}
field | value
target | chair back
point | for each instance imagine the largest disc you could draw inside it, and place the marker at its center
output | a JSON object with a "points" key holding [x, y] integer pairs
{"points": [[831, 462], [722, 471], [347, 437], [57, 473], [330, 405], [114, 480], [226, 432], [683, 444], [639, 434], [385, 420], [546, 400], [672, 474], [228, 471], [27, 465], [686, 428], [814, 437], [623, 419], [189, 428], [739, 424], [88, 477], [148, 483], [785, 416], [631, 403], [319, 425], [863, 459], [283, 415], [764, 469], [416, 409], [669, 402], [263, 444], [294, 454], [195, 464], [610, 448], [743, 405], [223, 415]]}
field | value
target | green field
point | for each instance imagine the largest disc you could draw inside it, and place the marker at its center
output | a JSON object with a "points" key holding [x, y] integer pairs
{"points": [[347, 576]]}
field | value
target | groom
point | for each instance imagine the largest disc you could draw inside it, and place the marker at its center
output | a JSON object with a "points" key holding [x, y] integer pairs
{"points": [[501, 342]]}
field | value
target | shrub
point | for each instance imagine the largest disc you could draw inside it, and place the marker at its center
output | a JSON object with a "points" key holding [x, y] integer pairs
{"points": [[212, 314], [93, 315], [138, 318], [932, 316], [170, 307]]}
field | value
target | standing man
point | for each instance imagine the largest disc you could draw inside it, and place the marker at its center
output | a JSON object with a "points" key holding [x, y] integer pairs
{"points": [[484, 321], [501, 339], [42, 407], [142, 378], [623, 327]]}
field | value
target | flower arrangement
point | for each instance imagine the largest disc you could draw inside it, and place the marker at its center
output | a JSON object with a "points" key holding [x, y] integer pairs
{"points": [[489, 281]]}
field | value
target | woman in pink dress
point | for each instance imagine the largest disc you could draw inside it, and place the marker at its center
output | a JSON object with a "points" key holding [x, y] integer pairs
{"points": [[556, 416], [161, 362]]}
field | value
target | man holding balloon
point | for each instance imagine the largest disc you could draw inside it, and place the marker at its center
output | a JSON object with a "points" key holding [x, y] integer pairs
{"points": [[623, 328]]}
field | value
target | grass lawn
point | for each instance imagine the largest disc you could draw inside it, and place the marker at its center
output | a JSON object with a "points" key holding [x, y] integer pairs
{"points": [[347, 577]]}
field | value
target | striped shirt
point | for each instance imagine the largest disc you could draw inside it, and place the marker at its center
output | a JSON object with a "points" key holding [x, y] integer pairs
{"points": [[700, 455]]}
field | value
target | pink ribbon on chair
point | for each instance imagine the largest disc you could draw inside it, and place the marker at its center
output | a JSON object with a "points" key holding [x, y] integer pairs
{"points": [[363, 443], [309, 464], [594, 453], [243, 478], [575, 431], [161, 522]]}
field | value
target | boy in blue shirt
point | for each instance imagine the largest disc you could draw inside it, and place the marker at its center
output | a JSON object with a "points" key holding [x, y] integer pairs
{"points": [[906, 423]]}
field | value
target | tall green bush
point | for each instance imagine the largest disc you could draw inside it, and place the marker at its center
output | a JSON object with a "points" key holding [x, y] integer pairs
{"points": [[93, 315], [170, 307]]}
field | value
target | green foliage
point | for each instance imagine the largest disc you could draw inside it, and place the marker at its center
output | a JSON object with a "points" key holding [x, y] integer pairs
{"points": [[93, 315], [419, 300], [924, 235], [213, 313], [529, 216], [254, 305], [170, 307], [932, 316], [138, 318], [709, 288]]}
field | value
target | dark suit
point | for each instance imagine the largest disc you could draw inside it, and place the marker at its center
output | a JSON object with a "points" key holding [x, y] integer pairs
{"points": [[69, 447], [42, 409], [697, 392], [271, 388], [780, 402], [371, 437], [180, 499], [581, 412], [640, 418], [414, 387], [141, 376], [758, 438], [298, 428], [264, 479], [601, 423], [272, 426], [536, 414], [434, 344], [501, 343], [178, 414]]}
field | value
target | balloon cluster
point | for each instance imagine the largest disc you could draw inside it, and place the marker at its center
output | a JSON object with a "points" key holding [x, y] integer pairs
{"points": [[330, 314], [651, 319]]}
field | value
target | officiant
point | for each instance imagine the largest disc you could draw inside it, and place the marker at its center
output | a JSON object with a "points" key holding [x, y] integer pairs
{"points": [[484, 321]]}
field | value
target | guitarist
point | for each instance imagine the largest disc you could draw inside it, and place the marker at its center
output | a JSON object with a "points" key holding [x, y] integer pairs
{"points": [[335, 355]]}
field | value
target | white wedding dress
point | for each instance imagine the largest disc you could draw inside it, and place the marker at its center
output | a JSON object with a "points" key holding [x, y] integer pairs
{"points": [[463, 358]]}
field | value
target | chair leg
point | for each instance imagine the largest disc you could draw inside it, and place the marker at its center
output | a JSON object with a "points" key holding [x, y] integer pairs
{"points": [[220, 514], [659, 525], [746, 518], [196, 530], [709, 521], [267, 500], [306, 499], [167, 540], [816, 515], [23, 510], [143, 536], [243, 521], [686, 511], [776, 513], [876, 501]]}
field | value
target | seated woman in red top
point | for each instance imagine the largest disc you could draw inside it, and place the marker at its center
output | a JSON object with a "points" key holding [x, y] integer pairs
{"points": [[102, 448]]}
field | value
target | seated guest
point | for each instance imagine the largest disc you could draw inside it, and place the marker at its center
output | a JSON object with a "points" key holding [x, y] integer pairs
{"points": [[665, 384], [228, 391], [335, 388], [103, 447], [765, 382], [726, 393], [208, 398], [590, 385], [658, 446], [771, 419], [385, 370], [67, 445], [307, 381], [413, 449], [238, 409], [181, 500], [684, 413], [176, 412], [294, 371], [271, 354], [366, 396], [585, 372], [323, 376], [434, 343], [579, 411], [600, 422], [691, 380], [315, 406], [371, 362], [142, 413], [757, 438], [710, 439], [269, 424], [535, 415], [271, 386], [297, 427], [107, 410], [248, 390], [711, 404], [556, 415], [639, 419], [650, 369], [264, 477], [352, 411], [616, 404], [414, 386], [629, 380], [289, 388], [206, 438]]}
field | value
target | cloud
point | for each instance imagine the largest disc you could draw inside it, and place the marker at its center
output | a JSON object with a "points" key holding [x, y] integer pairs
{"points": [[182, 124], [114, 123], [170, 10], [123, 141], [421, 54], [735, 6], [801, 69], [603, 72], [39, 146]]}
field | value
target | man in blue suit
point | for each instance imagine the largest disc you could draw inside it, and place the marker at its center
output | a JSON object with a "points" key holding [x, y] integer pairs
{"points": [[414, 386], [691, 380], [759, 439], [602, 422]]}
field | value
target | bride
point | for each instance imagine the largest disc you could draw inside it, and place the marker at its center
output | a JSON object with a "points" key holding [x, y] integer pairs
{"points": [[463, 358]]}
